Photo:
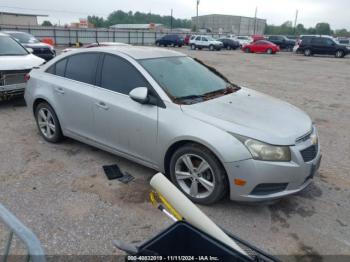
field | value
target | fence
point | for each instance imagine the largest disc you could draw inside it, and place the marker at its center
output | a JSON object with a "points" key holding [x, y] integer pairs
{"points": [[67, 36]]}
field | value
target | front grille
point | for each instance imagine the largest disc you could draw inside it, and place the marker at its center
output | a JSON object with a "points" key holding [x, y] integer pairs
{"points": [[12, 77], [309, 153], [41, 51], [269, 188]]}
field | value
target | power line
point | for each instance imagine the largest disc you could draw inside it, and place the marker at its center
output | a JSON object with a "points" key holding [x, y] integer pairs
{"points": [[51, 10]]}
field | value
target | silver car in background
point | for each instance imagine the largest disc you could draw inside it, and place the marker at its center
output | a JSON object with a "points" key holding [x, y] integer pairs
{"points": [[172, 113]]}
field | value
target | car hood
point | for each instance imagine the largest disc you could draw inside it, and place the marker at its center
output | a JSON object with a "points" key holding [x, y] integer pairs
{"points": [[20, 62], [255, 115]]}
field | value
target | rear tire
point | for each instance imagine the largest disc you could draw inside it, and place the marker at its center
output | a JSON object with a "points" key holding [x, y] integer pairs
{"points": [[213, 176], [307, 52], [48, 123]]}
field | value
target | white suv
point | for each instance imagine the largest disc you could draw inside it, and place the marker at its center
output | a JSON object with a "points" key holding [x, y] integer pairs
{"points": [[204, 41], [243, 40]]}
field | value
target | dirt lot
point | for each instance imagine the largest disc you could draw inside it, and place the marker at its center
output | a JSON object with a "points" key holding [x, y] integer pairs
{"points": [[60, 191]]}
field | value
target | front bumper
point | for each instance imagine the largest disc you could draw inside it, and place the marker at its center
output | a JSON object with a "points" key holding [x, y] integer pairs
{"points": [[45, 56], [292, 176]]}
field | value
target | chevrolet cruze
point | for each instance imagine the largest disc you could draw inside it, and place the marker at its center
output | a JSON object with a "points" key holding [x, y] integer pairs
{"points": [[175, 114]]}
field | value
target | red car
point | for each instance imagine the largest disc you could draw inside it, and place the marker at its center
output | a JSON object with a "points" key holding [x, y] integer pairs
{"points": [[261, 46]]}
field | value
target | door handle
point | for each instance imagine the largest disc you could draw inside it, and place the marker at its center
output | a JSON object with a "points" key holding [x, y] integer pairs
{"points": [[102, 105], [59, 90]]}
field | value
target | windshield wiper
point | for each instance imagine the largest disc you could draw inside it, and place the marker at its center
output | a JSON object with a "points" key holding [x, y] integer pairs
{"points": [[228, 90], [188, 97]]}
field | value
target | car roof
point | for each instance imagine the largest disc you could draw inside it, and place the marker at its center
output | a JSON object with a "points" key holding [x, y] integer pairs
{"points": [[135, 52]]}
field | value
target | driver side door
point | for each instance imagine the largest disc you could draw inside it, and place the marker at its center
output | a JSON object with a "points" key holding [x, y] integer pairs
{"points": [[122, 124]]}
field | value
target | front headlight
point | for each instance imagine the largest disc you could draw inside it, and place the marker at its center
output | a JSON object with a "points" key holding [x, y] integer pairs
{"points": [[266, 152]]}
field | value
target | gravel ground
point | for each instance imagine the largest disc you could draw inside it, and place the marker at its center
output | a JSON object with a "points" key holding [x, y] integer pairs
{"points": [[60, 191]]}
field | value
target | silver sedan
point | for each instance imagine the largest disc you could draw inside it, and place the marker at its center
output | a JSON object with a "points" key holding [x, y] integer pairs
{"points": [[172, 113]]}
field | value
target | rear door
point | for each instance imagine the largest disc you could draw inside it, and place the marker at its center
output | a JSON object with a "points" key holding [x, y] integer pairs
{"points": [[74, 91], [121, 123], [319, 45], [205, 42]]}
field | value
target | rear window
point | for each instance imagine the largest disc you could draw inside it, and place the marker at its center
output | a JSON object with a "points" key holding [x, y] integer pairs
{"points": [[9, 46]]}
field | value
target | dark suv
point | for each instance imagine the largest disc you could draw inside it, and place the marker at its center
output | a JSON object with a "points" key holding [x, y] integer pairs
{"points": [[172, 40], [42, 50], [322, 46], [282, 41]]}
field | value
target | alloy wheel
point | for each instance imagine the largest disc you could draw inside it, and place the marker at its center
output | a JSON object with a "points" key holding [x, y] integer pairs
{"points": [[194, 175], [46, 123]]}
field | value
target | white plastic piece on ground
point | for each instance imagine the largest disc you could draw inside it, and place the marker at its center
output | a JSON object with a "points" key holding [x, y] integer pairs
{"points": [[190, 211]]}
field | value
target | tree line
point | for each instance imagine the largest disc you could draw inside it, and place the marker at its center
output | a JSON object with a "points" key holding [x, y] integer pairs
{"points": [[121, 17], [287, 28]]}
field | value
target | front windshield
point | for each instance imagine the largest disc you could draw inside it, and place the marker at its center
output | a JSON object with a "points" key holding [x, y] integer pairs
{"points": [[9, 46], [184, 77], [24, 38]]}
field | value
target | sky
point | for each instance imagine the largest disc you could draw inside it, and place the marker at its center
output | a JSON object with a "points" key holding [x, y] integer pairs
{"points": [[335, 12]]}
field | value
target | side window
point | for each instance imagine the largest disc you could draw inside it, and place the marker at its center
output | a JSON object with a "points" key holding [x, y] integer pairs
{"points": [[82, 67], [204, 39], [61, 67], [120, 76], [58, 68], [317, 41], [51, 69], [198, 38], [329, 42]]}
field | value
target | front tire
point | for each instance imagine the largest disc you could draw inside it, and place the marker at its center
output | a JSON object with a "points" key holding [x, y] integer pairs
{"points": [[269, 51], [211, 48], [339, 54], [48, 123], [193, 46], [197, 172]]}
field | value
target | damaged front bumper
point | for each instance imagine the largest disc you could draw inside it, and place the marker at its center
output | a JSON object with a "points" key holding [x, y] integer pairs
{"points": [[267, 180]]}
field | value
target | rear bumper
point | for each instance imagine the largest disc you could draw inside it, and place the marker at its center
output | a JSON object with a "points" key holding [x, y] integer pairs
{"points": [[15, 89]]}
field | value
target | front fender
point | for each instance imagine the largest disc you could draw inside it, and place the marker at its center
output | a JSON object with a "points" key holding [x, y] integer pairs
{"points": [[178, 127]]}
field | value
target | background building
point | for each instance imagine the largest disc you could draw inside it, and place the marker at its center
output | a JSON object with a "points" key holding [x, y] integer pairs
{"points": [[8, 18], [238, 25]]}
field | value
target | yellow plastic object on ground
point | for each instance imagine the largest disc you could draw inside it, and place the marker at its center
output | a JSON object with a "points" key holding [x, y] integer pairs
{"points": [[157, 199]]}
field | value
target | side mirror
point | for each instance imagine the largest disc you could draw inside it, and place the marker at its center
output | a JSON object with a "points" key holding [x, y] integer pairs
{"points": [[140, 95], [30, 50]]}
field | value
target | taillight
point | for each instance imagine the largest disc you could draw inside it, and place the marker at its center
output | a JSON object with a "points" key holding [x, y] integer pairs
{"points": [[27, 77]]}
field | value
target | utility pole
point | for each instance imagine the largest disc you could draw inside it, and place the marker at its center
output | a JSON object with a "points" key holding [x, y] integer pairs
{"points": [[256, 12], [171, 20], [295, 21], [197, 22]]}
